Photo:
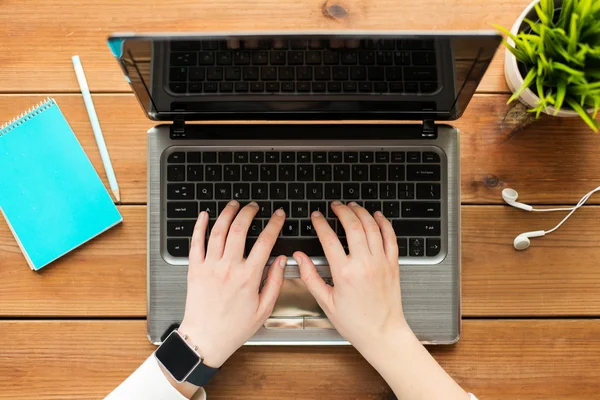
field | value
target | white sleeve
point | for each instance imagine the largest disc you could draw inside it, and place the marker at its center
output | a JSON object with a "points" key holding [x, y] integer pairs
{"points": [[149, 382], [472, 396]]}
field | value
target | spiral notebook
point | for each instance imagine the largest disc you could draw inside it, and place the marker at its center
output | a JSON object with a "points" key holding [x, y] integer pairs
{"points": [[50, 194]]}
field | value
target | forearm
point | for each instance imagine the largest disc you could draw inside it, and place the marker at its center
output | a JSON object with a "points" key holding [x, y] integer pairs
{"points": [[409, 369]]}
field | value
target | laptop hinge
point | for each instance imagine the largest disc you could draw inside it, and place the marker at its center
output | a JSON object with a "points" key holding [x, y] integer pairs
{"points": [[178, 129], [429, 130]]}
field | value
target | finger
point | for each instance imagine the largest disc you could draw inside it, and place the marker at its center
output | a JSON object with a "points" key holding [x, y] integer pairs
{"points": [[390, 243], [371, 228], [236, 239], [314, 283], [218, 234], [259, 255], [272, 287], [197, 250], [355, 233], [334, 252]]}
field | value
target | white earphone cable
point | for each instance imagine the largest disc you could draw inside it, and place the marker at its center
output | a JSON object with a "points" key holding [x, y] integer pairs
{"points": [[583, 200]]}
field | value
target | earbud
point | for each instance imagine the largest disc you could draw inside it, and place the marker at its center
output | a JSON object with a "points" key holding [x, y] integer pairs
{"points": [[522, 241], [510, 196]]}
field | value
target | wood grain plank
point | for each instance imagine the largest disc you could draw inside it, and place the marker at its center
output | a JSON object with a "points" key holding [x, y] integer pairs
{"points": [[497, 360], [558, 276], [40, 36], [552, 161]]}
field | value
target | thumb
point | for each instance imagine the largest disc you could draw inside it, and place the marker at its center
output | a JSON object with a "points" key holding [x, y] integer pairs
{"points": [[313, 281], [272, 286]]}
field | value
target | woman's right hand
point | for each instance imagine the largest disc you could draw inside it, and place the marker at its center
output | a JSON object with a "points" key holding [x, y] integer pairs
{"points": [[365, 302]]}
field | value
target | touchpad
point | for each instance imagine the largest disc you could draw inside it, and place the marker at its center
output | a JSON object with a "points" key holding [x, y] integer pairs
{"points": [[296, 301]]}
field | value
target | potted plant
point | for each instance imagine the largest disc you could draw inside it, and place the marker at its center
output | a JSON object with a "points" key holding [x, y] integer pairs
{"points": [[552, 62]]}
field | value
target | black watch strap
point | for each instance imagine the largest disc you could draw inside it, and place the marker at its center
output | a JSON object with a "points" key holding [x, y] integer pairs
{"points": [[201, 375]]}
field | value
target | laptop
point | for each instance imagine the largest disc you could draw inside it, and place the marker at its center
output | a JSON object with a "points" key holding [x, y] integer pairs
{"points": [[297, 120]]}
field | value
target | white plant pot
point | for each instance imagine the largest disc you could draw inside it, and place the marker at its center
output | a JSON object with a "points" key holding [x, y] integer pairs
{"points": [[513, 76]]}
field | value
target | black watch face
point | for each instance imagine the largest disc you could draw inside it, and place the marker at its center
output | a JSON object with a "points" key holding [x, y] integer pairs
{"points": [[176, 356]]}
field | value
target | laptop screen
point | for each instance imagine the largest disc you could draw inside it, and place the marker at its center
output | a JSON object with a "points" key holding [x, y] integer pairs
{"points": [[350, 76]]}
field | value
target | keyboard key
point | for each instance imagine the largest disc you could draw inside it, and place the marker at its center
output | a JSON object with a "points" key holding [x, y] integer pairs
{"points": [[382, 157], [396, 173], [182, 209], [223, 191], [391, 209], [331, 57], [365, 87], [304, 157], [320, 206], [413, 157], [349, 86], [195, 87], [233, 73], [249, 173], [277, 57], [428, 191], [358, 73], [205, 191], [334, 87], [376, 73], [423, 58], [241, 191], [183, 59], [178, 247], [288, 87], [287, 74], [180, 191], [220, 207], [295, 58], [314, 191], [178, 87], [296, 191], [224, 58], [194, 173], [210, 157], [398, 156], [272, 157], [372, 206], [272, 87], [250, 73], [240, 157], [304, 73], [366, 57], [421, 209], [431, 157], [277, 191], [241, 58], [305, 173], [333, 191], [299, 209], [231, 173], [384, 57], [176, 157], [260, 57], [393, 74], [335, 156], [288, 157], [290, 228], [268, 173], [368, 190], [360, 173], [303, 87], [379, 172], [387, 191], [193, 157], [287, 173], [420, 74], [284, 205], [257, 87], [264, 209], [323, 172], [402, 57], [319, 87], [380, 87], [433, 247], [259, 191], [206, 58], [322, 73], [214, 73], [319, 157], [428, 87], [255, 228], [175, 173], [241, 87], [180, 228], [416, 247], [341, 173], [306, 228], [210, 207], [406, 190], [407, 227], [178, 74], [402, 247], [351, 157], [349, 57], [351, 191], [387, 44], [257, 157], [397, 87], [423, 172]]}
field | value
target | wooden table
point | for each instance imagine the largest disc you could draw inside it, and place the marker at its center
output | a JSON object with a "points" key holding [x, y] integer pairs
{"points": [[531, 327]]}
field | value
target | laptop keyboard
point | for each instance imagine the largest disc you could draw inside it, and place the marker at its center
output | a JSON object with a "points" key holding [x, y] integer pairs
{"points": [[303, 67], [404, 185]]}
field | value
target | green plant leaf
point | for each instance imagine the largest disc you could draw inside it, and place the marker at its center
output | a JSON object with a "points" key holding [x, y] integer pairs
{"points": [[541, 14], [561, 92], [595, 125], [529, 79], [573, 35]]}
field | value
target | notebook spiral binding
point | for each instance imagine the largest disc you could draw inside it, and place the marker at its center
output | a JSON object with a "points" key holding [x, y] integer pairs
{"points": [[26, 116]]}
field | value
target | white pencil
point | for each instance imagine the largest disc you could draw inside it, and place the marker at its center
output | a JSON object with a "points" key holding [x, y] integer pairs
{"points": [[89, 105]]}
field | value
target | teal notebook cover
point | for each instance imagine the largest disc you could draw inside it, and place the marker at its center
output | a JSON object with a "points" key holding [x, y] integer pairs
{"points": [[50, 194]]}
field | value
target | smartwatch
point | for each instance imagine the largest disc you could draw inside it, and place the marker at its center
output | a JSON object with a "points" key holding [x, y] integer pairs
{"points": [[182, 360]]}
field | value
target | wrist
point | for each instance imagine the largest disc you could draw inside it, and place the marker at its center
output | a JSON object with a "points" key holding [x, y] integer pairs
{"points": [[384, 343], [211, 354]]}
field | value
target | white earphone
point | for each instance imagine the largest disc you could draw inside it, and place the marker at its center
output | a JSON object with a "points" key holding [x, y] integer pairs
{"points": [[522, 241]]}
